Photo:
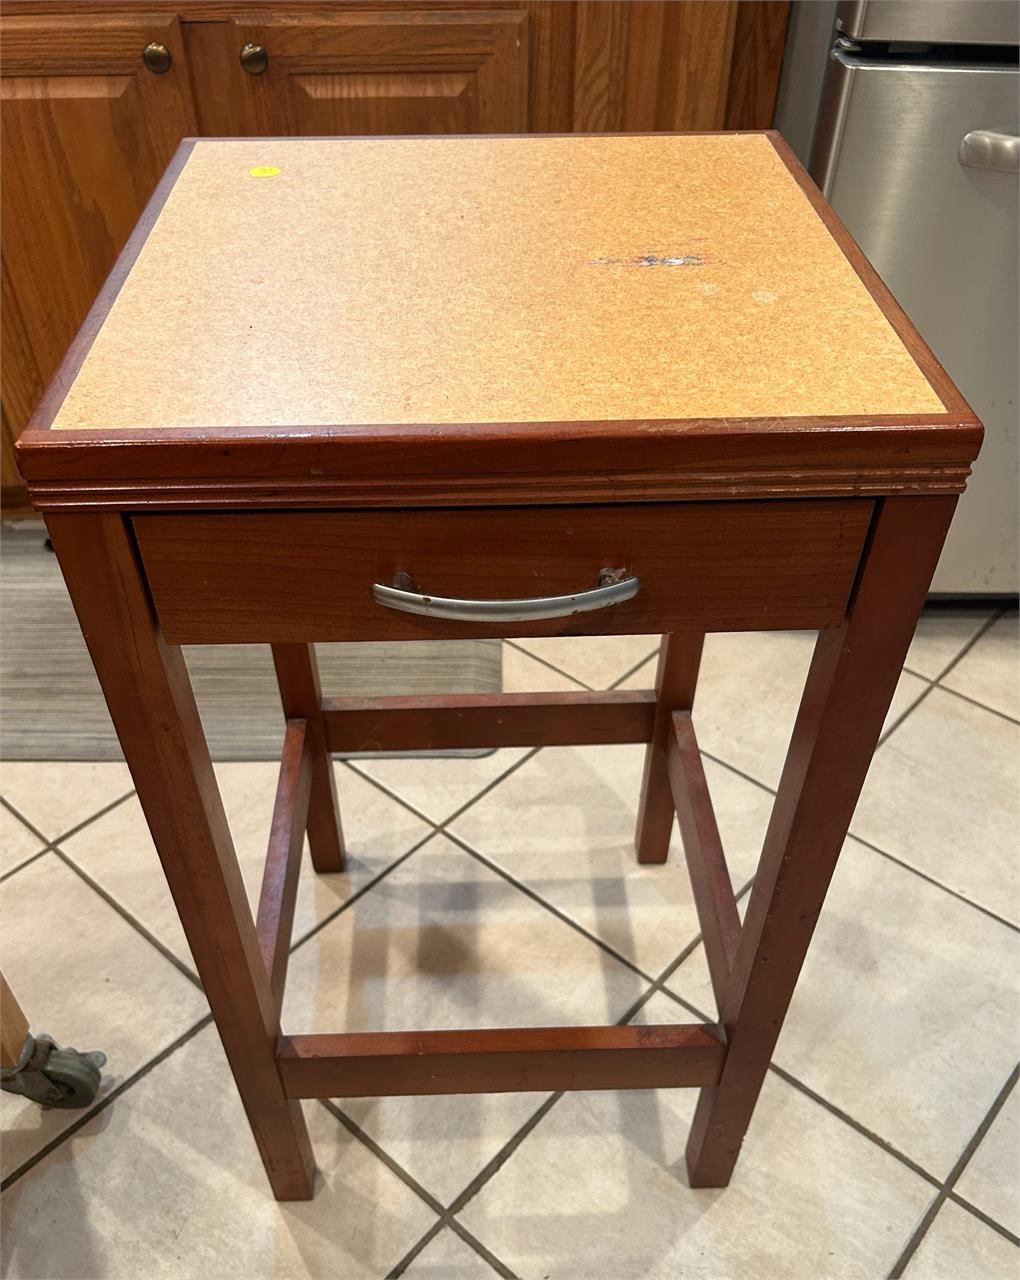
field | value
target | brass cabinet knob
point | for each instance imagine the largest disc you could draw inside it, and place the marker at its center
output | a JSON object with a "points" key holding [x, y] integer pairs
{"points": [[157, 57], [254, 59]]}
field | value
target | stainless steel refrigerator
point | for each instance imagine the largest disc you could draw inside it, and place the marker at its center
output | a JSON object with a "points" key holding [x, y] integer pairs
{"points": [[916, 146]]}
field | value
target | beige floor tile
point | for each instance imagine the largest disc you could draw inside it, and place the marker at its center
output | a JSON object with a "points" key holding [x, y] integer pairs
{"points": [[167, 1183], [438, 786], [17, 842], [943, 794], [958, 1246], [898, 976], [448, 1257], [445, 942], [84, 976], [991, 1180], [117, 851], [941, 634], [598, 1190], [597, 661], [56, 796], [990, 672], [564, 824], [525, 674], [445, 1140], [748, 693]]}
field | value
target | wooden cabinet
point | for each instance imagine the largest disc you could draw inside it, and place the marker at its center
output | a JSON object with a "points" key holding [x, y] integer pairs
{"points": [[87, 130], [88, 127], [367, 73]]}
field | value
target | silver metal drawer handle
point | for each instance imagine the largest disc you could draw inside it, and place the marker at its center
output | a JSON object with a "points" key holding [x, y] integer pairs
{"points": [[991, 149], [613, 589]]}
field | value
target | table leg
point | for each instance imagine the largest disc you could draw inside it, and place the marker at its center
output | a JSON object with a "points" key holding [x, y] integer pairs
{"points": [[675, 680], [297, 673], [13, 1026], [147, 689], [849, 688]]}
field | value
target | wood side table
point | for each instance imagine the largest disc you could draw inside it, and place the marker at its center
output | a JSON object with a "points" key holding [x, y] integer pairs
{"points": [[409, 388]]}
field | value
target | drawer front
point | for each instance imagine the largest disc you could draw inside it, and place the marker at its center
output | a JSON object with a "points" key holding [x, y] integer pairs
{"points": [[307, 576]]}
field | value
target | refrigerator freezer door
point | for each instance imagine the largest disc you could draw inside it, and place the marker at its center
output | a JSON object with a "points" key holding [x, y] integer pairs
{"points": [[943, 235], [931, 21]]}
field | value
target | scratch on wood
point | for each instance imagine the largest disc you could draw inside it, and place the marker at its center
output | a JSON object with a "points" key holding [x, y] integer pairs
{"points": [[652, 260]]}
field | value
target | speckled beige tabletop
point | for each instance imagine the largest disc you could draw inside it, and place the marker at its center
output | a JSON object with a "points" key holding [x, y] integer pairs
{"points": [[308, 282]]}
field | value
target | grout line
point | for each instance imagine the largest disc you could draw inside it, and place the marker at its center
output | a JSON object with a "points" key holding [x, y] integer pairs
{"points": [[677, 961], [550, 665], [356, 1131], [929, 1217], [103, 1103], [1003, 715], [444, 1216], [856, 1125], [934, 681], [691, 1008], [530, 754], [923, 875], [636, 668], [32, 857], [798, 1084], [502, 1155], [985, 627], [400, 1267], [71, 831], [964, 1203], [101, 813], [444, 822], [886, 733], [824, 1102], [360, 893], [126, 915], [500, 1268], [24, 821], [381, 786], [553, 910], [891, 857]]}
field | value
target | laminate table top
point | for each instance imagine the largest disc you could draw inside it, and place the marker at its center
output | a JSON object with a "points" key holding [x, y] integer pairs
{"points": [[530, 291]]}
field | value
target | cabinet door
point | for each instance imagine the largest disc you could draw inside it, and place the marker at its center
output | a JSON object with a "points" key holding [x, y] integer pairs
{"points": [[372, 72], [87, 129]]}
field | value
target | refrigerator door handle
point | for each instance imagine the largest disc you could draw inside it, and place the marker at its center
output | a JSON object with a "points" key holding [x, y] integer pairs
{"points": [[991, 149]]}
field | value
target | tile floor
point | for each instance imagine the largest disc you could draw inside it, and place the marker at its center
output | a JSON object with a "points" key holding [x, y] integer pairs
{"points": [[503, 890]]}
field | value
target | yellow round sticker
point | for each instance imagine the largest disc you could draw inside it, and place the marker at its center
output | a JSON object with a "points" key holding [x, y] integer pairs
{"points": [[264, 171]]}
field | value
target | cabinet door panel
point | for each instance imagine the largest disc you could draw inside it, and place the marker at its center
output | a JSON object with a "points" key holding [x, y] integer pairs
{"points": [[87, 130], [436, 71]]}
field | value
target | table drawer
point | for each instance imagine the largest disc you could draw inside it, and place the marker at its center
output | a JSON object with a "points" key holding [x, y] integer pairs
{"points": [[308, 576]]}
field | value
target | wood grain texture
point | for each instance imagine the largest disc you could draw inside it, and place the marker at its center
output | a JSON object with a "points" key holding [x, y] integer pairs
{"points": [[706, 861], [487, 720], [469, 237], [153, 709], [676, 678], [274, 920], [14, 1028], [758, 43], [519, 1059], [850, 685], [297, 673], [86, 133], [368, 71], [299, 578]]}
